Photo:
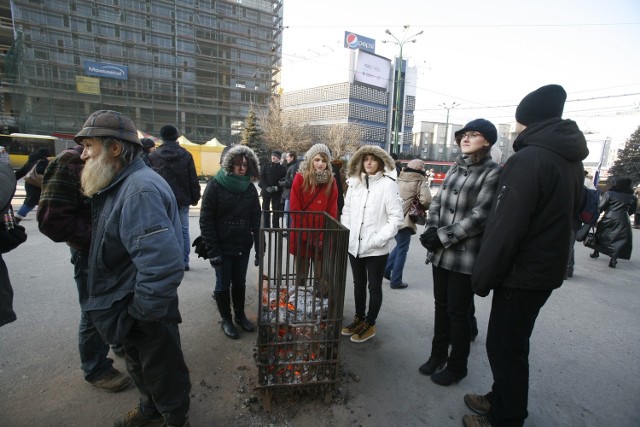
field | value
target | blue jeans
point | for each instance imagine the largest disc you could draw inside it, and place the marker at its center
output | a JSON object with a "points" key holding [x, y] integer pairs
{"points": [[186, 242], [398, 256], [233, 271], [93, 349]]}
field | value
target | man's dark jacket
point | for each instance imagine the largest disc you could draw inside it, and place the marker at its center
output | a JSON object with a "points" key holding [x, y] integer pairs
{"points": [[270, 175], [526, 241], [176, 166]]}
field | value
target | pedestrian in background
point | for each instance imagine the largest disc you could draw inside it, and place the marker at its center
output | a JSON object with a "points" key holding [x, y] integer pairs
{"points": [[176, 166], [636, 219], [4, 156], [135, 267], [230, 225], [40, 161], [11, 236], [314, 190], [64, 215], [454, 228], [270, 176], [413, 185], [147, 147], [373, 214], [523, 255], [285, 183], [613, 232]]}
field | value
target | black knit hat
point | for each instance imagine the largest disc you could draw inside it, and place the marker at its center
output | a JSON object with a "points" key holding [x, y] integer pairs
{"points": [[169, 133], [541, 104], [485, 127], [277, 153]]}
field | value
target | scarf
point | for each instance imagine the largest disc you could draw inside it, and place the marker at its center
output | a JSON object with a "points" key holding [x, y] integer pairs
{"points": [[233, 183], [322, 177]]}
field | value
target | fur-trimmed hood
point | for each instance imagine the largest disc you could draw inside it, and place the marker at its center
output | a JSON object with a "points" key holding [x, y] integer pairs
{"points": [[355, 164], [239, 149]]}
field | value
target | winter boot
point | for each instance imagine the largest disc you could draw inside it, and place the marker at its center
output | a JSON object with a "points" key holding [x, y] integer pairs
{"points": [[237, 295], [224, 307]]}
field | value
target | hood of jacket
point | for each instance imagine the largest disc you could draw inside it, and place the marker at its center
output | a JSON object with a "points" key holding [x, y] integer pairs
{"points": [[560, 136], [355, 167], [227, 161], [169, 150]]}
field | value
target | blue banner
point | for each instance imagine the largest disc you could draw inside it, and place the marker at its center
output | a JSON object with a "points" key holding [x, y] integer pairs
{"points": [[101, 69]]}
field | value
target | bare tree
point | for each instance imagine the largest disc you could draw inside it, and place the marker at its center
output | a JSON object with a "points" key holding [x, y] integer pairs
{"points": [[284, 132], [342, 138]]}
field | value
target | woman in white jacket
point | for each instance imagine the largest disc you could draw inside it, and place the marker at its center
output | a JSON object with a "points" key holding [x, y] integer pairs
{"points": [[373, 214]]}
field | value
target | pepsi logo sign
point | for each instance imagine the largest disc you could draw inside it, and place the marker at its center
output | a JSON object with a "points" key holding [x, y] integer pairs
{"points": [[352, 40]]}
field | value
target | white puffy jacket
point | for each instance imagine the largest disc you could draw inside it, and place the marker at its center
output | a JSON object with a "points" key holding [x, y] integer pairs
{"points": [[373, 214]]}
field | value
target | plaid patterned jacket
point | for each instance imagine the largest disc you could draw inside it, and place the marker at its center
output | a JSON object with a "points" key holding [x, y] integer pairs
{"points": [[459, 211], [64, 213]]}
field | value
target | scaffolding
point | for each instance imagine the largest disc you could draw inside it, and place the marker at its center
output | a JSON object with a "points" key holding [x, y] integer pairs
{"points": [[199, 65]]}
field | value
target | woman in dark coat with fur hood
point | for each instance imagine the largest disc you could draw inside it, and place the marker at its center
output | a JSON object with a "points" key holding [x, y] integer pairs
{"points": [[613, 234], [229, 223]]}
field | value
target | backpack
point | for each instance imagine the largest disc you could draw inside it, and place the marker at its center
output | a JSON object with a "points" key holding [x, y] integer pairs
{"points": [[589, 213]]}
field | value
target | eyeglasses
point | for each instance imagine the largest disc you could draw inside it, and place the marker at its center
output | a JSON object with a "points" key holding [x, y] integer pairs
{"points": [[469, 135], [242, 165]]}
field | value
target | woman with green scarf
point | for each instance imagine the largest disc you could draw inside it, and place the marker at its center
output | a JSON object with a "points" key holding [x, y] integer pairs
{"points": [[229, 224]]}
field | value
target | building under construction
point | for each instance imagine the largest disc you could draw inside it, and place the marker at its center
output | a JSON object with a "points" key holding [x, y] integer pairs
{"points": [[197, 64]]}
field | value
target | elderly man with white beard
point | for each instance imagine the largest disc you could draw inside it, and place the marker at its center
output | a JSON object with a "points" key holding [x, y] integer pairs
{"points": [[135, 266]]}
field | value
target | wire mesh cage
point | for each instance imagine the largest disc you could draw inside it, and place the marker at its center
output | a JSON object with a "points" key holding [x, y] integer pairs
{"points": [[303, 274]]}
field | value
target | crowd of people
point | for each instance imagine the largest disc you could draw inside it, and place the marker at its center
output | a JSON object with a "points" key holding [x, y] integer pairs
{"points": [[484, 226]]}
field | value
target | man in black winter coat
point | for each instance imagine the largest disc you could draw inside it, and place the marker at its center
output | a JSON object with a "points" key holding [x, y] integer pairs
{"points": [[285, 183], [525, 245], [270, 176], [176, 166]]}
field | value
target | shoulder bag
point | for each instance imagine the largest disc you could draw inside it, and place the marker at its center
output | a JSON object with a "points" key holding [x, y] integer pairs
{"points": [[33, 177], [416, 212]]}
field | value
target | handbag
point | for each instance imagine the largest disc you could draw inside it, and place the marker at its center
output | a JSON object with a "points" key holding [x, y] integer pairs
{"points": [[590, 240], [199, 248], [33, 177], [417, 213], [12, 235], [582, 232]]}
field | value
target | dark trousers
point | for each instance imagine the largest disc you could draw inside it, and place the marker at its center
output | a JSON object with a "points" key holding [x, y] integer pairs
{"points": [[368, 269], [453, 297], [156, 364], [273, 200], [233, 271], [7, 315], [513, 316], [93, 348]]}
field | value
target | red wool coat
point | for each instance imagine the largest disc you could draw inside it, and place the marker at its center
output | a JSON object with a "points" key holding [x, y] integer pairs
{"points": [[316, 200]]}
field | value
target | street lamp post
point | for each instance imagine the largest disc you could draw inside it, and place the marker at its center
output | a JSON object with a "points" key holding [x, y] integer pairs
{"points": [[396, 108], [446, 129]]}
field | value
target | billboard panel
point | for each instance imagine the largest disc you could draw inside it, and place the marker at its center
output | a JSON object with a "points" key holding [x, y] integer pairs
{"points": [[372, 70], [89, 85]]}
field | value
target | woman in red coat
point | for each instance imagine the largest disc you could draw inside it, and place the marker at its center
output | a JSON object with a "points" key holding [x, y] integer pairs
{"points": [[313, 190]]}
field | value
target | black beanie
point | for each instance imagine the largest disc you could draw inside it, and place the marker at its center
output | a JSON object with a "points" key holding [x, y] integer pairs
{"points": [[277, 153], [169, 133], [485, 127], [541, 104]]}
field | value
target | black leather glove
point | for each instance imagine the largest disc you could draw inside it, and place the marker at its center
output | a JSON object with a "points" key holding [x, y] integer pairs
{"points": [[256, 261], [216, 261], [430, 240]]}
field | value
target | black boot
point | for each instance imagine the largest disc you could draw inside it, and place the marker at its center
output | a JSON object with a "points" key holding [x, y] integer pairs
{"points": [[224, 307], [613, 262], [237, 295], [595, 254]]}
